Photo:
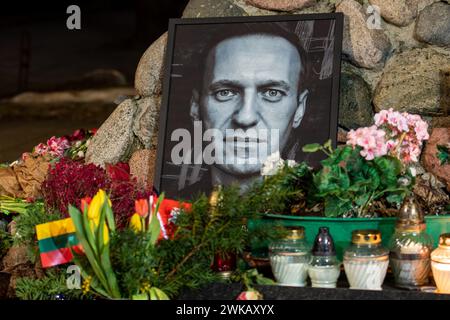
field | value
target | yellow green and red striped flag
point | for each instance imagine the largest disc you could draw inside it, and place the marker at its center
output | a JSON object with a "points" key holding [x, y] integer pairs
{"points": [[55, 240]]}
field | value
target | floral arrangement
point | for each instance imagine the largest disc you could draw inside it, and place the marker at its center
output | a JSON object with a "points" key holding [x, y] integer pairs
{"points": [[136, 263], [371, 172], [398, 134], [69, 181], [368, 176], [73, 146]]}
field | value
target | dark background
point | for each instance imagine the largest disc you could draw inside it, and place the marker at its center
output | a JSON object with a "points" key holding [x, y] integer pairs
{"points": [[315, 126], [114, 35]]}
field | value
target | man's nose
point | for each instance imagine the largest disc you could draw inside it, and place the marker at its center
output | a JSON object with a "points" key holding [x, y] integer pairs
{"points": [[247, 114]]}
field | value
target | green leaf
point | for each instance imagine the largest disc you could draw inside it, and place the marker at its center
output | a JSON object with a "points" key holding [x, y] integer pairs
{"points": [[160, 294], [327, 145], [335, 207], [313, 147], [395, 198], [154, 226], [91, 255], [362, 200], [443, 154], [140, 296], [110, 275], [110, 217]]}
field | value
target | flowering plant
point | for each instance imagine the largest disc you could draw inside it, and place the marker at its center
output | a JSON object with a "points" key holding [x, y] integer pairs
{"points": [[93, 227], [69, 181], [371, 168], [398, 134], [73, 146]]}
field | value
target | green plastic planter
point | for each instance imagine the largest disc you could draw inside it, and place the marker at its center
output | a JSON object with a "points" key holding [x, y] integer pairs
{"points": [[341, 228]]}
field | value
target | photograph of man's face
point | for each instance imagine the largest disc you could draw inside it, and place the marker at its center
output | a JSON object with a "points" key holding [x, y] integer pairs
{"points": [[241, 92]]}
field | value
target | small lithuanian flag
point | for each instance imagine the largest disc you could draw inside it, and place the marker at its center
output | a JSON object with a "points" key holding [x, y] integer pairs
{"points": [[55, 240]]}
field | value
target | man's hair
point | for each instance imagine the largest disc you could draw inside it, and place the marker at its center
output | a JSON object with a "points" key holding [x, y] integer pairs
{"points": [[220, 33]]}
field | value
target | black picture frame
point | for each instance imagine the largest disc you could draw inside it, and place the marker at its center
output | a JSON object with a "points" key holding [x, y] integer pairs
{"points": [[175, 24]]}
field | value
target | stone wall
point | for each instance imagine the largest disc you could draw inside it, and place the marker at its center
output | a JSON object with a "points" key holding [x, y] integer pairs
{"points": [[400, 65]]}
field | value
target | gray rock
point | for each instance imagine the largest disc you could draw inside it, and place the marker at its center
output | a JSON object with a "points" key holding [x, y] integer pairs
{"points": [[149, 73], [425, 3], [433, 24], [322, 6], [364, 47], [398, 12], [115, 139], [147, 119], [281, 5], [142, 166], [411, 82], [212, 8], [355, 107]]}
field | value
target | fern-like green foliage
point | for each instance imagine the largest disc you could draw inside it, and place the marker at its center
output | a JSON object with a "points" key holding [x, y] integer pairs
{"points": [[48, 287], [26, 226], [27, 221], [278, 193]]}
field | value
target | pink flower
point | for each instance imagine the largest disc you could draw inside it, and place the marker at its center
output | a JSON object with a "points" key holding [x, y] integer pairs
{"points": [[57, 146], [250, 295], [421, 130], [77, 135], [398, 121], [381, 117], [370, 139], [390, 144], [41, 149]]}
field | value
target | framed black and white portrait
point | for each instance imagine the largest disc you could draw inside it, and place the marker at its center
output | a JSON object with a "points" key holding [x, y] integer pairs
{"points": [[240, 90]]}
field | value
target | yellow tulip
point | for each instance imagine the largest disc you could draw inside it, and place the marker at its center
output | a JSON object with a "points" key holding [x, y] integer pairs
{"points": [[136, 222], [105, 234], [94, 224], [96, 205]]}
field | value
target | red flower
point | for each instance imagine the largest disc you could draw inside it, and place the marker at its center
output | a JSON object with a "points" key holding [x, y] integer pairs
{"points": [[93, 131], [30, 200], [85, 202], [141, 207], [77, 135], [118, 172]]}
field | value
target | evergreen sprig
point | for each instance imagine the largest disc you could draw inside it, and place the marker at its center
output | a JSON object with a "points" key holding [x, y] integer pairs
{"points": [[184, 261], [48, 288], [278, 193]]}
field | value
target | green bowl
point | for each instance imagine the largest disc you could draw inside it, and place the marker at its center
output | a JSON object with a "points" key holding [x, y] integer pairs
{"points": [[341, 229]]}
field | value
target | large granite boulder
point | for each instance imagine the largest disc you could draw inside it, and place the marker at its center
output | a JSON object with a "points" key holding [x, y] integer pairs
{"points": [[129, 128], [142, 165], [433, 24], [282, 5], [363, 46], [150, 70], [411, 82], [355, 105], [398, 12], [212, 8]]}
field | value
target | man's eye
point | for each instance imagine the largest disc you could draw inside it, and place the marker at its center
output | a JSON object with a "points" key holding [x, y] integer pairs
{"points": [[225, 94], [273, 94]]}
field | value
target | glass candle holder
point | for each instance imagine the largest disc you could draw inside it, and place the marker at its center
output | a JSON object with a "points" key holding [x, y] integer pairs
{"points": [[366, 261], [290, 258], [410, 247], [440, 264], [324, 269]]}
